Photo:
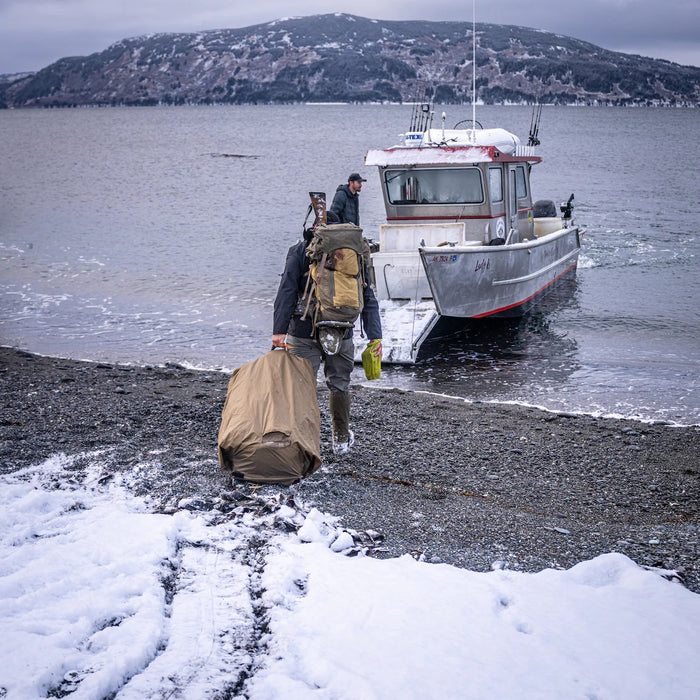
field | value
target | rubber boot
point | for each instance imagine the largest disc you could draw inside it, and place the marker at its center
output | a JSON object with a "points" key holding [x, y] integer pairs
{"points": [[343, 438]]}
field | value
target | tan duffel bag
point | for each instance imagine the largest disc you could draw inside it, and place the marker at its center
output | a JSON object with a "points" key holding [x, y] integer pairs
{"points": [[271, 425]]}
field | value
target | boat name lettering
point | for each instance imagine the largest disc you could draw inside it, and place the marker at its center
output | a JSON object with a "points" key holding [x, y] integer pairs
{"points": [[483, 264]]}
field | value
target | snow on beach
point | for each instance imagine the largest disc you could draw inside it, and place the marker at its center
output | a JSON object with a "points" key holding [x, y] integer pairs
{"points": [[102, 597]]}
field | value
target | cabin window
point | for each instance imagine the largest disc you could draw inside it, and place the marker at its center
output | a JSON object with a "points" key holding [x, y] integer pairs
{"points": [[434, 186], [520, 182], [496, 184]]}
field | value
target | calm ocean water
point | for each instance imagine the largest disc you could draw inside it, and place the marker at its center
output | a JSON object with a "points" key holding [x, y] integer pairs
{"points": [[153, 235]]}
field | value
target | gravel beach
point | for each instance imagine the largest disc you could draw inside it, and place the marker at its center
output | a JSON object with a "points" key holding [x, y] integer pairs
{"points": [[471, 484]]}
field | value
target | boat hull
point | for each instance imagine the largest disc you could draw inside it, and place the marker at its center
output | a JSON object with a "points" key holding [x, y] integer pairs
{"points": [[499, 281]]}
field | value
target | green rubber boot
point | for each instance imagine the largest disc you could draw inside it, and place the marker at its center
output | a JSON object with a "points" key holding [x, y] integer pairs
{"points": [[343, 439]]}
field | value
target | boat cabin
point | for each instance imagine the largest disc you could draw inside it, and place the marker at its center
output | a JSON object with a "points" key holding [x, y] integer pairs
{"points": [[479, 178]]}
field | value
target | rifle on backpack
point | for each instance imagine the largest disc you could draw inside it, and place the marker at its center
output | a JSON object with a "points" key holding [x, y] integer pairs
{"points": [[318, 203]]}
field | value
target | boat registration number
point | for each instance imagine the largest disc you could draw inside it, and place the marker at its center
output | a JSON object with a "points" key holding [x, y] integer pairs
{"points": [[443, 258]]}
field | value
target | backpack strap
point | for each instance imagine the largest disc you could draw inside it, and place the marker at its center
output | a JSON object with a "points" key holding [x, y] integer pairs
{"points": [[308, 292]]}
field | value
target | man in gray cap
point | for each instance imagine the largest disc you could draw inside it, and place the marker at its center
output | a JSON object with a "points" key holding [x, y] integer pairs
{"points": [[346, 203]]}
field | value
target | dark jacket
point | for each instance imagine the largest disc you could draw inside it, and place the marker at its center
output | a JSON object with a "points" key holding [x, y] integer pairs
{"points": [[346, 205], [287, 318]]}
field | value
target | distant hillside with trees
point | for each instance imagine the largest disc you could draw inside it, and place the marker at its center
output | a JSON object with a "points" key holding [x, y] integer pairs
{"points": [[345, 58]]}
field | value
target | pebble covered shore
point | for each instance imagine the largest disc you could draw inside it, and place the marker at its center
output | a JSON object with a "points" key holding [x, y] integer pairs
{"points": [[471, 484]]}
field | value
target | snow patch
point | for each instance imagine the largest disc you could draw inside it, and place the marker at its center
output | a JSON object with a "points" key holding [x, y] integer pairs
{"points": [[246, 596]]}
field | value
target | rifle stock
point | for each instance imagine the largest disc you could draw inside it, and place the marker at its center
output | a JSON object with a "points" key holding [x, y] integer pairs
{"points": [[318, 202]]}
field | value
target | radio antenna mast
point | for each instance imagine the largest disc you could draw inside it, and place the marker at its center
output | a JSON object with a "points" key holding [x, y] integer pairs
{"points": [[473, 70]]}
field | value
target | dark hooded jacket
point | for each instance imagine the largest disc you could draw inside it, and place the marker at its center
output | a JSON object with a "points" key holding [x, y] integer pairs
{"points": [[287, 315], [346, 205]]}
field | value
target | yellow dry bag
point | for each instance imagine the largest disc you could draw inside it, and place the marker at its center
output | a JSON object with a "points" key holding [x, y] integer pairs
{"points": [[370, 363]]}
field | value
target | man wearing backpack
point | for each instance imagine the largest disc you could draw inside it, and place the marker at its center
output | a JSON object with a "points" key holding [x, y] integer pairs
{"points": [[294, 329], [346, 203]]}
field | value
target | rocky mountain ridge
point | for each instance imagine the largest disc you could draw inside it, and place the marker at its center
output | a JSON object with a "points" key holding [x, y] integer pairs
{"points": [[346, 58]]}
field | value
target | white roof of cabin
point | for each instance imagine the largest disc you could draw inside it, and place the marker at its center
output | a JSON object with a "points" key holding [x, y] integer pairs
{"points": [[428, 156], [449, 146]]}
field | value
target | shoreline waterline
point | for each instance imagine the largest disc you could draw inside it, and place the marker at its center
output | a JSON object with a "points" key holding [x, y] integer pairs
{"points": [[366, 384]]}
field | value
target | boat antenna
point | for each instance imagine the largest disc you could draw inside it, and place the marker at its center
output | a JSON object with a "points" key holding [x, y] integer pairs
{"points": [[533, 138], [537, 124], [419, 112], [413, 114], [473, 70]]}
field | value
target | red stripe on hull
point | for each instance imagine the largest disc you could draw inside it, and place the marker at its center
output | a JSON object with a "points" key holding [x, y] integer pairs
{"points": [[443, 218], [452, 218]]}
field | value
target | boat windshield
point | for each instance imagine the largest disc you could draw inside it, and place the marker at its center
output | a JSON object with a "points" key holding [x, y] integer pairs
{"points": [[434, 186]]}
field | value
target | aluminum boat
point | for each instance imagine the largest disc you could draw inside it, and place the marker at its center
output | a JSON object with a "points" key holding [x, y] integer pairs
{"points": [[462, 238]]}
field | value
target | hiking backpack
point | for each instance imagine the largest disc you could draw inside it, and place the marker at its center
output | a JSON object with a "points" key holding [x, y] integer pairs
{"points": [[334, 294]]}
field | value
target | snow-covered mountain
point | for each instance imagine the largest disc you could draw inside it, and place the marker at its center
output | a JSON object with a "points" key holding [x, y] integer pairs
{"points": [[342, 57]]}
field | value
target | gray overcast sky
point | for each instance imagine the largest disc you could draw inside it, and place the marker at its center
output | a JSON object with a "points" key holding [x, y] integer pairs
{"points": [[35, 33]]}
